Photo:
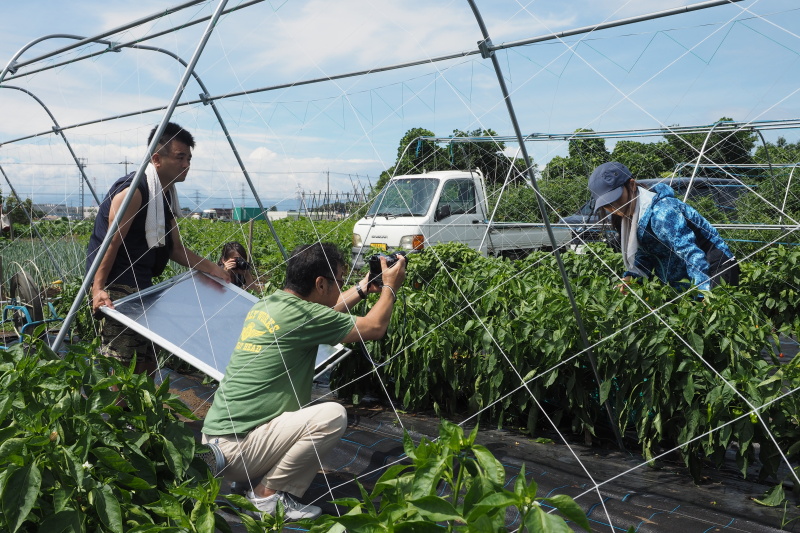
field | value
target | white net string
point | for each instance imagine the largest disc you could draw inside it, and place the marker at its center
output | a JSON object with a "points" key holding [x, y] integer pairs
{"points": [[262, 112]]}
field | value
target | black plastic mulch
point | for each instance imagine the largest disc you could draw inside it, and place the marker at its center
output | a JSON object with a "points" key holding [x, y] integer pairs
{"points": [[630, 493]]}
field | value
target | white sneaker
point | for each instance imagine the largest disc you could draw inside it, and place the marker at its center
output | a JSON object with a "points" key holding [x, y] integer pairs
{"points": [[293, 509]]}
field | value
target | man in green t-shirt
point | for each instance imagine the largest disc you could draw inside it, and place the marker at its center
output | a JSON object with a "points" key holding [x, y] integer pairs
{"points": [[261, 419]]}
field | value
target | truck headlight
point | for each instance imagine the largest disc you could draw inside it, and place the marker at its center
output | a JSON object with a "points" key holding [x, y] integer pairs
{"points": [[356, 240], [412, 242]]}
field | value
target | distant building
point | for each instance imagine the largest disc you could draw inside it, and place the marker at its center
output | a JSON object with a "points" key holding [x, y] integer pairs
{"points": [[241, 214], [55, 211], [246, 214]]}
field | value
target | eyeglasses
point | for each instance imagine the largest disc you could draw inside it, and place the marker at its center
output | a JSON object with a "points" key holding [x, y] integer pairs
{"points": [[339, 282]]}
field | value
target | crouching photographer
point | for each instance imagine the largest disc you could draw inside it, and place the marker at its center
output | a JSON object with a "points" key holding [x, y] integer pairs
{"points": [[262, 420]]}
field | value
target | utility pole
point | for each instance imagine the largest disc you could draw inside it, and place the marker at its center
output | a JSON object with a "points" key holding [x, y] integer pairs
{"points": [[81, 166], [126, 163]]}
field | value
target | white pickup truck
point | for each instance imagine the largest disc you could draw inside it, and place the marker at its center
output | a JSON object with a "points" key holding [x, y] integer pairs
{"points": [[420, 210]]}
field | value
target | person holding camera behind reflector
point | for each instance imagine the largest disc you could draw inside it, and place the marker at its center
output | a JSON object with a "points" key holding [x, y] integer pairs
{"points": [[262, 420], [235, 261]]}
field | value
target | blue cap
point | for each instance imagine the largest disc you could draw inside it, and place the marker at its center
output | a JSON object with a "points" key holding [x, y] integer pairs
{"points": [[606, 183]]}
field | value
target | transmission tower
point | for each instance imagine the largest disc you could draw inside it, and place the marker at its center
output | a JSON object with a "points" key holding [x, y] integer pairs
{"points": [[81, 166]]}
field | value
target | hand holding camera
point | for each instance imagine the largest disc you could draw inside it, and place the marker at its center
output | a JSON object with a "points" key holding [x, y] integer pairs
{"points": [[236, 263], [387, 270], [241, 264]]}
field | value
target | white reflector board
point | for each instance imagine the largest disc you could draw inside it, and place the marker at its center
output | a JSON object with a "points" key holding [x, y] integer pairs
{"points": [[198, 318]]}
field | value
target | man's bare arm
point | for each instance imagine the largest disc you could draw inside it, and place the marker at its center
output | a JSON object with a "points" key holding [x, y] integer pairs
{"points": [[99, 295], [184, 256], [374, 324]]}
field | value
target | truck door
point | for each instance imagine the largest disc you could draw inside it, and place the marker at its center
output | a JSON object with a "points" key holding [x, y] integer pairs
{"points": [[456, 218]]}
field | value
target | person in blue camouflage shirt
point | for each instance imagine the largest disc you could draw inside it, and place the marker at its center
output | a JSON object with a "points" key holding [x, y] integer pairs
{"points": [[660, 234]]}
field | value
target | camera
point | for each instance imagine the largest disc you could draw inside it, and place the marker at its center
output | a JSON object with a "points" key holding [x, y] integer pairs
{"points": [[241, 264], [375, 271]]}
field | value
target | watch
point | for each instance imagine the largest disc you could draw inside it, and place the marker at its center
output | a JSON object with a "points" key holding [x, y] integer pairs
{"points": [[360, 291]]}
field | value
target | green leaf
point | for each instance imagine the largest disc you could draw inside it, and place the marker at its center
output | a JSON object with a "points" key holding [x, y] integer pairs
{"points": [[173, 458], [436, 509], [66, 521], [537, 520], [491, 467], [773, 497], [688, 389], [53, 384], [493, 501], [570, 509], [519, 483], [408, 446], [605, 389], [183, 442], [12, 447], [347, 502], [203, 518], [360, 523], [74, 467], [427, 477], [696, 342], [168, 505], [249, 523], [113, 460], [221, 524], [20, 494], [62, 499], [108, 509], [480, 487], [483, 524], [416, 526], [5, 405]]}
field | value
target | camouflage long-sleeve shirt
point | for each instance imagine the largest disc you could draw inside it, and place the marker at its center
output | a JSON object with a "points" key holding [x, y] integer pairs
{"points": [[672, 239]]}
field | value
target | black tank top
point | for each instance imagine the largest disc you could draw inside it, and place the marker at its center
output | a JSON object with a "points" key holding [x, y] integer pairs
{"points": [[136, 264]]}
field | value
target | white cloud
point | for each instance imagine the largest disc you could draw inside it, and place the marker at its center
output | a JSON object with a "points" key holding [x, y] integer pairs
{"points": [[262, 154]]}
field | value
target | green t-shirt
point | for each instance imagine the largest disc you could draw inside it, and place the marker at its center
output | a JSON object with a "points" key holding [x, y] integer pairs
{"points": [[272, 367]]}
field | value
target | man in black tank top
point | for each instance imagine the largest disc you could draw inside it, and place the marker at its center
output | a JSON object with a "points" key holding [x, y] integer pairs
{"points": [[131, 261]]}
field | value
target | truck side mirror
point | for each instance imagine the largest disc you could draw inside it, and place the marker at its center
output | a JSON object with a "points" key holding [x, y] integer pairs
{"points": [[442, 212]]}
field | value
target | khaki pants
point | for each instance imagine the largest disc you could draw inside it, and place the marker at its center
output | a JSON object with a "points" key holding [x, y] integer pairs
{"points": [[287, 451]]}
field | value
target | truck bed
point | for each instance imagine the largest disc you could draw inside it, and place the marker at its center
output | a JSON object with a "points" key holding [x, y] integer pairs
{"points": [[525, 235]]}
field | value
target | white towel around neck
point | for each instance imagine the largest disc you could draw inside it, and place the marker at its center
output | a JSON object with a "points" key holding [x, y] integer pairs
{"points": [[155, 218], [628, 236]]}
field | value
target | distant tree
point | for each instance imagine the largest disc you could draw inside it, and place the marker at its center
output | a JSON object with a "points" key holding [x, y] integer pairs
{"points": [[487, 155], [776, 185], [584, 155], [564, 179], [645, 160], [780, 152], [588, 153], [20, 212], [416, 155]]}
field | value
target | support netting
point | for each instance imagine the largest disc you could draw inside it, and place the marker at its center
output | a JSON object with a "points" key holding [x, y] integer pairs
{"points": [[303, 112]]}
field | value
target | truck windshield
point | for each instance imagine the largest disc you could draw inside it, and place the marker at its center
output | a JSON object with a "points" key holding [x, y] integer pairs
{"points": [[405, 197]]}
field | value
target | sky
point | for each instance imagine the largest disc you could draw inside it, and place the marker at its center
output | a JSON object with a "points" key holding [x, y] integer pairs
{"points": [[738, 60]]}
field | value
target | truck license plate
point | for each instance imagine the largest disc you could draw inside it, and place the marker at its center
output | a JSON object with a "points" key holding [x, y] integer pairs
{"points": [[379, 245]]}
